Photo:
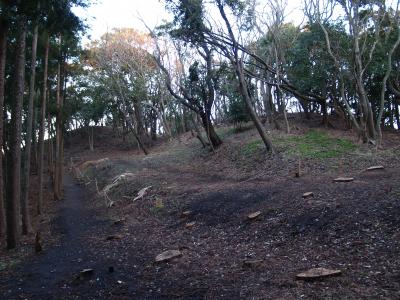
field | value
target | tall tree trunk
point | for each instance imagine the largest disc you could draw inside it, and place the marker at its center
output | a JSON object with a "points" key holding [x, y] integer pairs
{"points": [[26, 222], [3, 50], [14, 182], [58, 175], [42, 127], [34, 158]]}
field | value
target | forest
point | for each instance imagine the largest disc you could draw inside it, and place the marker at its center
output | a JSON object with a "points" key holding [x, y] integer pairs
{"points": [[227, 99]]}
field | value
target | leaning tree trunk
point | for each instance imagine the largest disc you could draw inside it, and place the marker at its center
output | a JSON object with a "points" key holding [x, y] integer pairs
{"points": [[246, 97], [26, 222], [42, 128], [3, 49], [14, 181]]}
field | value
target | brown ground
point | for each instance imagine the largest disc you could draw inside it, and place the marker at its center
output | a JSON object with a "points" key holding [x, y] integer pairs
{"points": [[353, 227]]}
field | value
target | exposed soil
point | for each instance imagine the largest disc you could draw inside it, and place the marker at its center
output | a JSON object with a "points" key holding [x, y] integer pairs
{"points": [[353, 227]]}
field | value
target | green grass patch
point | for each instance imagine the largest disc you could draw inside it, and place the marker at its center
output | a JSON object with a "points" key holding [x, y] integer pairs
{"points": [[251, 147], [315, 144]]}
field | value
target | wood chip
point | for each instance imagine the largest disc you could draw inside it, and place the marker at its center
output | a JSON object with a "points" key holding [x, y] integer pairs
{"points": [[317, 273], [254, 215], [343, 179], [85, 273], [190, 225], [252, 263], [308, 194], [373, 168], [168, 255], [142, 193], [114, 237], [186, 214], [119, 222]]}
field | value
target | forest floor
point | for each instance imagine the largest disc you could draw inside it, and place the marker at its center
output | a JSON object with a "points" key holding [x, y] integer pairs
{"points": [[198, 202]]}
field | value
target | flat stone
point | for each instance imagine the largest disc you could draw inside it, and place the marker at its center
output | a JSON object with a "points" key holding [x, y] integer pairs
{"points": [[308, 194], [344, 179], [254, 215], [317, 273], [373, 168], [168, 255]]}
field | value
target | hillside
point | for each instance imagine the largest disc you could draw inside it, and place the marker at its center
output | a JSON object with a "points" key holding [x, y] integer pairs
{"points": [[198, 202]]}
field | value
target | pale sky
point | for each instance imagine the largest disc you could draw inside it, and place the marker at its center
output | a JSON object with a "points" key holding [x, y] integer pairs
{"points": [[109, 14]]}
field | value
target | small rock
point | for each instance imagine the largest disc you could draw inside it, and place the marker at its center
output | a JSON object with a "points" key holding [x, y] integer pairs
{"points": [[186, 214], [373, 168], [190, 225], [110, 269], [252, 263], [254, 215], [308, 194], [168, 255], [343, 179], [317, 273]]}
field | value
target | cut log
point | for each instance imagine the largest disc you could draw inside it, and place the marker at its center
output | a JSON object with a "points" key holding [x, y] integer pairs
{"points": [[343, 179], [308, 194], [373, 168], [254, 215], [318, 273], [168, 255]]}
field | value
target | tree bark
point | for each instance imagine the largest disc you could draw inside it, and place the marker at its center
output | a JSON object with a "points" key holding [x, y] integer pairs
{"points": [[26, 222], [3, 50], [42, 127], [14, 182], [210, 131]]}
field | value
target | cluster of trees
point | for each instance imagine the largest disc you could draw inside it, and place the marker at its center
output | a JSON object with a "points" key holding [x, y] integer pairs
{"points": [[232, 61], [38, 42], [219, 61]]}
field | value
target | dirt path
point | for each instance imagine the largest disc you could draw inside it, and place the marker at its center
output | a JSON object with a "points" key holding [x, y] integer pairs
{"points": [[52, 274]]}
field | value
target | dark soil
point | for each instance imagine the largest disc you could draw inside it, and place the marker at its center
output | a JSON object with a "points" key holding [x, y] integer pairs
{"points": [[353, 227]]}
